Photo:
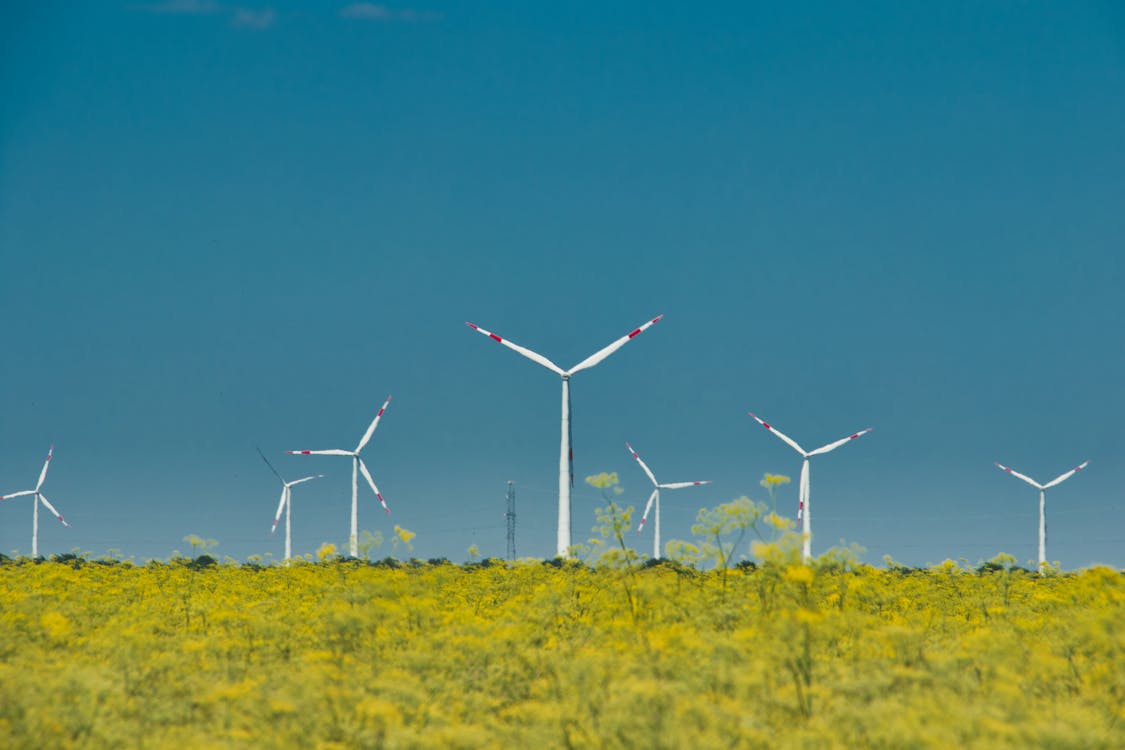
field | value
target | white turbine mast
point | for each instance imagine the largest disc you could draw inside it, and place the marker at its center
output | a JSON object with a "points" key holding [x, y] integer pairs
{"points": [[358, 467], [39, 498], [803, 512], [654, 501], [286, 503], [1043, 500], [566, 453]]}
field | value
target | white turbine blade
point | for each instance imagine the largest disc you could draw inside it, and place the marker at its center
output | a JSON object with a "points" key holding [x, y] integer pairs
{"points": [[371, 430], [642, 463], [538, 358], [302, 480], [838, 443], [47, 463], [333, 452], [792, 443], [681, 485], [52, 509], [594, 359], [1063, 477], [1016, 474], [263, 455], [648, 507], [280, 507], [367, 475], [17, 494]]}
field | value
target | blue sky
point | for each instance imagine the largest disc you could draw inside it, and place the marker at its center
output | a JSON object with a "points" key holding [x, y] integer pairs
{"points": [[224, 226]]}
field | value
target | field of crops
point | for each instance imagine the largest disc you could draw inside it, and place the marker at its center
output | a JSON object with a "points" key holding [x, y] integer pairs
{"points": [[342, 654]]}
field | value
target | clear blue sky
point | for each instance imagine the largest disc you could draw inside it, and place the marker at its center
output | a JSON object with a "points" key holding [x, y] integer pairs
{"points": [[224, 226]]}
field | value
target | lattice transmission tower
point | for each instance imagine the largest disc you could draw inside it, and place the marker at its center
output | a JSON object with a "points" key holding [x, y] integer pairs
{"points": [[511, 516]]}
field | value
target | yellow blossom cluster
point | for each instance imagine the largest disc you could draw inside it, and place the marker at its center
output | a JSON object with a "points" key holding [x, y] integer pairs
{"points": [[346, 654]]}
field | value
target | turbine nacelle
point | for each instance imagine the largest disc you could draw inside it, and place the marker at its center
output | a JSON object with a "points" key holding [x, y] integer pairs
{"points": [[39, 497], [358, 467], [566, 455], [654, 498], [1043, 499], [803, 492]]}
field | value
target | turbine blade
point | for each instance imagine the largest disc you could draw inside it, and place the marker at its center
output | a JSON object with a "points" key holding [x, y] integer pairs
{"points": [[1016, 474], [538, 358], [1063, 477], [332, 452], [367, 475], [680, 485], [17, 494], [648, 507], [280, 507], [642, 463], [597, 357], [791, 442], [52, 509], [302, 480], [371, 430], [833, 446], [47, 463], [263, 455]]}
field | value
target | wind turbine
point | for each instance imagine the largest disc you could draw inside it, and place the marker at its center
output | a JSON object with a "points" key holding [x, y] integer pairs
{"points": [[286, 503], [357, 467], [654, 499], [803, 487], [1043, 500], [39, 498], [566, 453]]}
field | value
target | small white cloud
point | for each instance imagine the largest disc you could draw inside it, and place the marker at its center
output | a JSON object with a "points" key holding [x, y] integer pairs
{"points": [[249, 18], [185, 7], [367, 10], [375, 12]]}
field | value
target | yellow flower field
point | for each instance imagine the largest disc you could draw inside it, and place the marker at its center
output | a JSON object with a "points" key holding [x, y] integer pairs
{"points": [[544, 655]]}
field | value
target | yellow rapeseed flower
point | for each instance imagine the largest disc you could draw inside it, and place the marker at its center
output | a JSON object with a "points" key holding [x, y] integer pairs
{"points": [[798, 574], [773, 480], [603, 480], [56, 625]]}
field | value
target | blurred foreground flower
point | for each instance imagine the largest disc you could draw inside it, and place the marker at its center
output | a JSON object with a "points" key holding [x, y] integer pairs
{"points": [[769, 481], [602, 481]]}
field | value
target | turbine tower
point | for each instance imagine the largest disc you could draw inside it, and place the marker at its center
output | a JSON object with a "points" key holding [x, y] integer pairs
{"points": [[654, 501], [1043, 500], [39, 498], [803, 512], [511, 518], [357, 467], [286, 503], [566, 453]]}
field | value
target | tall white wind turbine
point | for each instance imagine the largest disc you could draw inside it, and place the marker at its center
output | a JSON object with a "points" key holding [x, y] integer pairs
{"points": [[566, 453], [39, 498], [358, 467], [286, 503], [654, 501], [1043, 500], [803, 487]]}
